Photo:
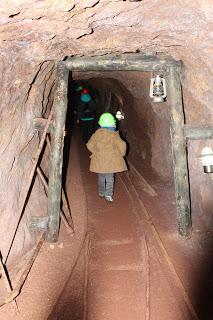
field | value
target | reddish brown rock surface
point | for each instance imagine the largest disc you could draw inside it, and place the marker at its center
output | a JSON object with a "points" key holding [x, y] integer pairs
{"points": [[35, 34]]}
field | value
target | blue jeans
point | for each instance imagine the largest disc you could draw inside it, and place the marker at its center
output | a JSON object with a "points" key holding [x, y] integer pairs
{"points": [[106, 184]]}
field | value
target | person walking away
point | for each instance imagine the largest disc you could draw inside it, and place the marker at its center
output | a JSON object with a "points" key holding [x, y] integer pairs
{"points": [[108, 151], [86, 114]]}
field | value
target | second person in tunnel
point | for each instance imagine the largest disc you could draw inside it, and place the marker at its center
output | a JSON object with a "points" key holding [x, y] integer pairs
{"points": [[108, 151], [86, 113]]}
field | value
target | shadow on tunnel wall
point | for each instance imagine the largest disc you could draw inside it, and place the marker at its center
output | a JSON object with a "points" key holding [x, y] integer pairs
{"points": [[203, 285], [69, 125], [68, 310]]}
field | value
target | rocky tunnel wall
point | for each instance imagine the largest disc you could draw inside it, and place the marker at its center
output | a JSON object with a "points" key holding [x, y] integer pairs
{"points": [[21, 102], [34, 35]]}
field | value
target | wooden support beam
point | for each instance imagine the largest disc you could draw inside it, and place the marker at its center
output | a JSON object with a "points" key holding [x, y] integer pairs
{"points": [[198, 133], [12, 294], [56, 157], [66, 208], [128, 62], [181, 178], [29, 259], [39, 224], [40, 123]]}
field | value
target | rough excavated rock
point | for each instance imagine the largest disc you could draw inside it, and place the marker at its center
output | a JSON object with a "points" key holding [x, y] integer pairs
{"points": [[18, 146], [33, 34]]}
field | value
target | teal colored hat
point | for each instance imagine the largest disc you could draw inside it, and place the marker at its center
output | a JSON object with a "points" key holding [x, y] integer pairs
{"points": [[85, 97], [107, 120]]}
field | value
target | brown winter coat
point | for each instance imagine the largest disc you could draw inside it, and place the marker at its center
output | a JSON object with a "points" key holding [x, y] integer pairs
{"points": [[108, 150]]}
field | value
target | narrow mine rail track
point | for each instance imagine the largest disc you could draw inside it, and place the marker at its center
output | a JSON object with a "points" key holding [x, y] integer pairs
{"points": [[151, 234]]}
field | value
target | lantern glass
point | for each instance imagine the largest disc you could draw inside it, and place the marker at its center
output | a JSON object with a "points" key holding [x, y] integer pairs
{"points": [[119, 115], [158, 88], [207, 159]]}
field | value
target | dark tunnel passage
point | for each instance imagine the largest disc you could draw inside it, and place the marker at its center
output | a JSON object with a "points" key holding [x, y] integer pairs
{"points": [[145, 126], [125, 259], [149, 185]]}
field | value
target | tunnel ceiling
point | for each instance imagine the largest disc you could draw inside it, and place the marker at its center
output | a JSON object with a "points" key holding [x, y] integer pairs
{"points": [[35, 31]]}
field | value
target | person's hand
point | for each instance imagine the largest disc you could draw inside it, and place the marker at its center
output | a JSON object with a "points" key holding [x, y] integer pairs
{"points": [[78, 121]]}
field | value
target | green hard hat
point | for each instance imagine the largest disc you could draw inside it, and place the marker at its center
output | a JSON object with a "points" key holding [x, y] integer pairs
{"points": [[79, 88], [107, 120]]}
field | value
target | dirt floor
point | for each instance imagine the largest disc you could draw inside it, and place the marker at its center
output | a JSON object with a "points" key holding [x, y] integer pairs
{"points": [[55, 262], [125, 260]]}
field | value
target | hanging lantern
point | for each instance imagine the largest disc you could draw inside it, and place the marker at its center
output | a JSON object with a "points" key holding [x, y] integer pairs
{"points": [[119, 115], [207, 159], [158, 89]]}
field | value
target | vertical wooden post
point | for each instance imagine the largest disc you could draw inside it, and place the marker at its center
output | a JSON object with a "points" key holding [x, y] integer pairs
{"points": [[56, 157], [181, 178]]}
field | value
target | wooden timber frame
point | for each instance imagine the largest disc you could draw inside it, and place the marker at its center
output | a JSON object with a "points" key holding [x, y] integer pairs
{"points": [[56, 156], [180, 133], [171, 70]]}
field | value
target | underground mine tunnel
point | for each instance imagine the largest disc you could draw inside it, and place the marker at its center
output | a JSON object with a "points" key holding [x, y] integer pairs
{"points": [[67, 253]]}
